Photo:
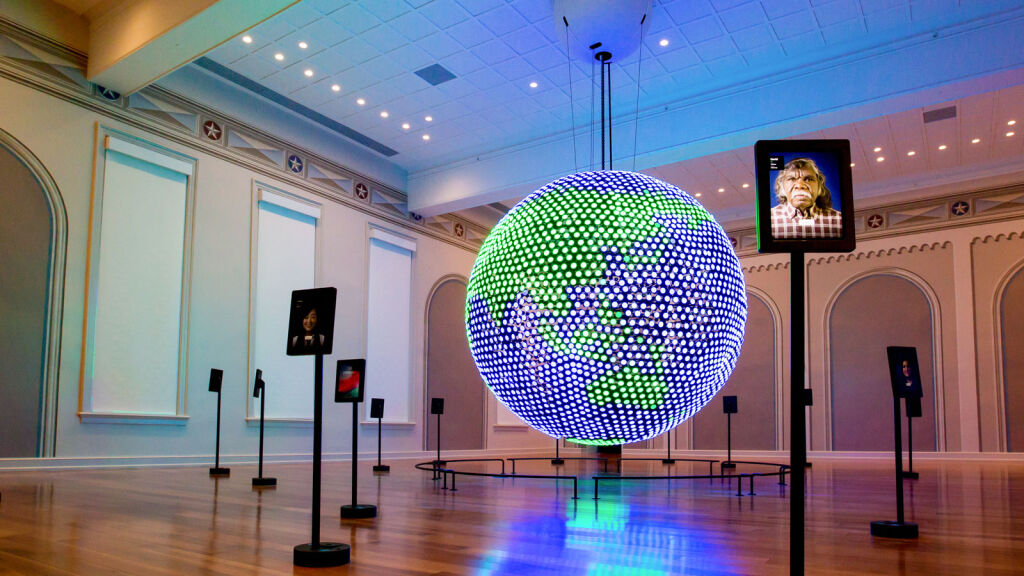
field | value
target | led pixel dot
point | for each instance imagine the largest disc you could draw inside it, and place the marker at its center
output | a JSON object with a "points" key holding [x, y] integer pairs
{"points": [[606, 307]]}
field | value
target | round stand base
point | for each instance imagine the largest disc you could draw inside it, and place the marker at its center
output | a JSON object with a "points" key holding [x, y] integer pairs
{"points": [[359, 511], [382, 468], [668, 460], [728, 465], [220, 471], [261, 481], [893, 529], [557, 461], [322, 555], [911, 475]]}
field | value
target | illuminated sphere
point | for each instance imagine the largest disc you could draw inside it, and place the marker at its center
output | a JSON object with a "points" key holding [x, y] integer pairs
{"points": [[606, 308]]}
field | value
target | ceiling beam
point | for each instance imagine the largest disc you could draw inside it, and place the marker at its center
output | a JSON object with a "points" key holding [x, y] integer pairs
{"points": [[135, 42]]}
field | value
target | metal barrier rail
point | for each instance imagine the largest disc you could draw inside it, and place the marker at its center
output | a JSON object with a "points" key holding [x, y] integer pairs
{"points": [[711, 462], [783, 470], [513, 460], [446, 471]]}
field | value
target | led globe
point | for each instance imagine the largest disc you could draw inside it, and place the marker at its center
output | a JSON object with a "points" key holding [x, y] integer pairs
{"points": [[606, 308]]}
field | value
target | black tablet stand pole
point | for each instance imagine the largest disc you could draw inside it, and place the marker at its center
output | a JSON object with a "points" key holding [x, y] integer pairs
{"points": [[899, 528], [354, 510], [728, 442], [909, 472], [558, 460], [668, 459], [215, 385], [319, 554], [797, 414], [808, 402], [260, 391], [380, 467]]}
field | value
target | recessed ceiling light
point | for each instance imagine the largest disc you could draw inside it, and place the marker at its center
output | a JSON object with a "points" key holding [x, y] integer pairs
{"points": [[428, 118], [335, 87], [663, 42], [1008, 134], [383, 113], [878, 148], [943, 147], [911, 153], [308, 72], [880, 159], [852, 164], [360, 101], [426, 136], [533, 84], [976, 140], [721, 189], [303, 45], [1011, 122], [278, 56], [405, 126], [247, 39], [745, 185], [697, 194]]}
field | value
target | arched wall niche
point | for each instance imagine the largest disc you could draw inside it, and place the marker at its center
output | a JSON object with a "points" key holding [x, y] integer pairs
{"points": [[873, 310], [451, 372], [48, 333], [1010, 341], [755, 383]]}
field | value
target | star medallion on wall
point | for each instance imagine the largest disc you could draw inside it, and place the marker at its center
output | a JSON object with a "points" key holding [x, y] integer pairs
{"points": [[362, 192], [295, 164], [459, 230], [875, 221], [212, 130], [107, 93], [960, 208]]}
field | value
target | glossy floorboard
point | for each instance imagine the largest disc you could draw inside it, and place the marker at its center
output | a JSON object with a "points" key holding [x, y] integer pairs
{"points": [[180, 521]]}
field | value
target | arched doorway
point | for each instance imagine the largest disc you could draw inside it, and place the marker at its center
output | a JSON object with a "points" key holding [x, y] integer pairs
{"points": [[870, 314], [451, 373], [753, 384], [33, 227], [1011, 321]]}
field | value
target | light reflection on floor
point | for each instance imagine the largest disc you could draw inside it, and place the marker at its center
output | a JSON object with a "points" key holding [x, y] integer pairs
{"points": [[604, 538]]}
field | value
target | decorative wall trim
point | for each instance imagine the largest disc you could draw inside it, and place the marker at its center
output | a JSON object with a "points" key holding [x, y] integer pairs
{"points": [[751, 268], [996, 237], [41, 64], [55, 289], [778, 387], [945, 212], [922, 247]]}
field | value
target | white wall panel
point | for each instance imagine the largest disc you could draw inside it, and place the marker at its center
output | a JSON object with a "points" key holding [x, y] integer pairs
{"points": [[139, 287], [286, 261], [389, 298]]}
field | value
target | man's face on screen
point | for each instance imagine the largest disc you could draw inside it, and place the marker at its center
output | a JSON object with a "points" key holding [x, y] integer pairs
{"points": [[802, 187]]}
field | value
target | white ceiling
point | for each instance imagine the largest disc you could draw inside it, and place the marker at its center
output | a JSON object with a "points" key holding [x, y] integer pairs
{"points": [[496, 48]]}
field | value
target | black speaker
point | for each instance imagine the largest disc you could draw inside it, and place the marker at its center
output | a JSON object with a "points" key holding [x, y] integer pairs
{"points": [[808, 397], [437, 405], [729, 405], [913, 407], [216, 376], [376, 407], [258, 384]]}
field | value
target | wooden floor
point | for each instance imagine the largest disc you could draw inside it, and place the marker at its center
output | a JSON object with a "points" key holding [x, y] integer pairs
{"points": [[180, 521]]}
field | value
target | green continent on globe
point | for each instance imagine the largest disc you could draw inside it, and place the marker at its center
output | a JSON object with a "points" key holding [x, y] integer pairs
{"points": [[559, 240]]}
